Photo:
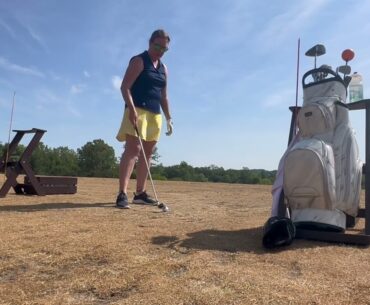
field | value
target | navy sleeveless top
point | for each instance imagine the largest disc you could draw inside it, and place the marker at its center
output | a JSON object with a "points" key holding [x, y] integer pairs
{"points": [[146, 91]]}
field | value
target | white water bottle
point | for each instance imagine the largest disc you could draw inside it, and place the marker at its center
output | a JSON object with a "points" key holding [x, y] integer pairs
{"points": [[355, 88]]}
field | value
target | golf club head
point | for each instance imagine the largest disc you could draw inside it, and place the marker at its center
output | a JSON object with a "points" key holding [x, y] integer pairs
{"points": [[348, 55], [325, 74], [316, 50], [163, 207], [318, 76], [347, 79], [344, 69]]}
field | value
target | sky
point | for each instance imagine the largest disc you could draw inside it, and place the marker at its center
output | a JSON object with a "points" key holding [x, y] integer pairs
{"points": [[232, 70]]}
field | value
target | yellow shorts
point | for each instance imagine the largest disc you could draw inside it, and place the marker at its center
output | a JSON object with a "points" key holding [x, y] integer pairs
{"points": [[148, 123]]}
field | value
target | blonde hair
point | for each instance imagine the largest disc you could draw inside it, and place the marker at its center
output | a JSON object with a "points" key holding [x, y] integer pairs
{"points": [[159, 34]]}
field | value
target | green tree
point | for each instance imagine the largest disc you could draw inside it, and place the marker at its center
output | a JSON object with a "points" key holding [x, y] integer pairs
{"points": [[155, 156], [64, 162], [41, 160], [60, 161], [97, 159], [158, 172], [15, 156]]}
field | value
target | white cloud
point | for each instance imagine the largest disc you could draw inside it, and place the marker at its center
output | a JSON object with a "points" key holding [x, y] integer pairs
{"points": [[78, 88], [8, 28], [291, 22], [5, 64], [87, 74], [50, 102], [46, 97], [36, 37], [116, 82], [18, 35]]}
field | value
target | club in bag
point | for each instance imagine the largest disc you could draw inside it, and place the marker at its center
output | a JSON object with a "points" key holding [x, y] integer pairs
{"points": [[347, 55], [345, 70], [160, 205], [316, 51]]}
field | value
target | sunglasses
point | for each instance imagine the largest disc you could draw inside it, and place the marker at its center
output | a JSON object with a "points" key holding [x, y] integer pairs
{"points": [[159, 48]]}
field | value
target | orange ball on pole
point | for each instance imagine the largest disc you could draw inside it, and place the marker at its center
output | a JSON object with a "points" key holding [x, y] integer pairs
{"points": [[348, 54]]}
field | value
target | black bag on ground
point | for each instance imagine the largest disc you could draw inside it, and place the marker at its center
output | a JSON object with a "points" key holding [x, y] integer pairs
{"points": [[277, 232]]}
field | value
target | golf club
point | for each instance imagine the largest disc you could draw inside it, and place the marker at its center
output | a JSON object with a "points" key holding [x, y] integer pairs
{"points": [[344, 69], [321, 75], [316, 51], [160, 205], [347, 55], [347, 79]]}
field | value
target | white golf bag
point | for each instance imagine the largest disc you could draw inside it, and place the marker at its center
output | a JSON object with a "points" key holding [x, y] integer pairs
{"points": [[322, 170]]}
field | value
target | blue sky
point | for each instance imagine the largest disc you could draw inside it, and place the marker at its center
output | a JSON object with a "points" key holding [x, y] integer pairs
{"points": [[232, 70]]}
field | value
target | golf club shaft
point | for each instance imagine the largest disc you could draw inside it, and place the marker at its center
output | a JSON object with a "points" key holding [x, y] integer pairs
{"points": [[146, 163], [296, 88], [8, 146]]}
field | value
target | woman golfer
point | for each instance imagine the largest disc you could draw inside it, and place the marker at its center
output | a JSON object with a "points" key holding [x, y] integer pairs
{"points": [[144, 90]]}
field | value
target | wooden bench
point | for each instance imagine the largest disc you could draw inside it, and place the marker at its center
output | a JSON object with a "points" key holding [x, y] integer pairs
{"points": [[50, 185], [36, 185]]}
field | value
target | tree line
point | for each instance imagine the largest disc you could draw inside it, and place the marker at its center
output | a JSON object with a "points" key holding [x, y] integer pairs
{"points": [[97, 159]]}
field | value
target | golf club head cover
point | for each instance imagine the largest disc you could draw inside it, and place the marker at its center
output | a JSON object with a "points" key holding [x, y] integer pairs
{"points": [[278, 231]]}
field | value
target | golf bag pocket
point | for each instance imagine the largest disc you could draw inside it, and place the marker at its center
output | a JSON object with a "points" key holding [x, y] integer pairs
{"points": [[316, 118], [348, 168], [309, 175]]}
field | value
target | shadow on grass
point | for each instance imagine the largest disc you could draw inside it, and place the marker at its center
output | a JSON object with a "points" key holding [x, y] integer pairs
{"points": [[246, 240], [51, 206]]}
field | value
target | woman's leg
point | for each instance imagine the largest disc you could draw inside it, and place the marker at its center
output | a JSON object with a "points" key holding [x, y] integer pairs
{"points": [[141, 170], [128, 160]]}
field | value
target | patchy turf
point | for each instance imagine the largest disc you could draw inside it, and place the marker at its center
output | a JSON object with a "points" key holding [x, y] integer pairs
{"points": [[79, 249]]}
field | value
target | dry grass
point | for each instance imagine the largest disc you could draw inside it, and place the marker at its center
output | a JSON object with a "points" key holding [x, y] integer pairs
{"points": [[78, 249]]}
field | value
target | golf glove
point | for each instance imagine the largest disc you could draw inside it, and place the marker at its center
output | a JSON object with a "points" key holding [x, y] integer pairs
{"points": [[169, 127]]}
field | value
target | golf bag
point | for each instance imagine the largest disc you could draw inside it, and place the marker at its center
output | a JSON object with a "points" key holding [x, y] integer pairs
{"points": [[322, 170], [319, 175]]}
